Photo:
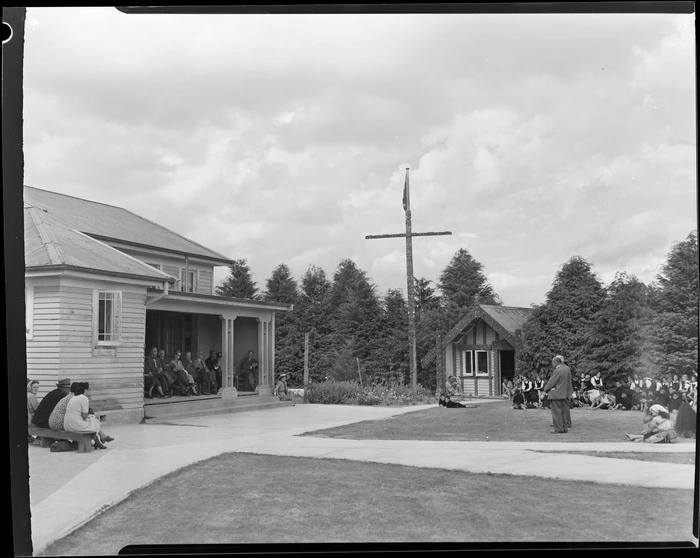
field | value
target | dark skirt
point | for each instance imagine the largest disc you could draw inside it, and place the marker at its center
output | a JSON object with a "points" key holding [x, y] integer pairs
{"points": [[686, 421]]}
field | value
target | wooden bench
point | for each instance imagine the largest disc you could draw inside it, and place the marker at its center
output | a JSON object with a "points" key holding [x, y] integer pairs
{"points": [[46, 437]]}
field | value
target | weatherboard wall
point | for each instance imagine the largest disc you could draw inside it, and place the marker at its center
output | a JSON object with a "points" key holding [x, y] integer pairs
{"points": [[62, 345]]}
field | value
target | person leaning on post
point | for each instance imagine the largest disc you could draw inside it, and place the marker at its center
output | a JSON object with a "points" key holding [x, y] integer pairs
{"points": [[558, 389]]}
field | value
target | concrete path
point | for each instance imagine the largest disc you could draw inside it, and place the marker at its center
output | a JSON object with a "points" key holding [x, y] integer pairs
{"points": [[142, 453]]}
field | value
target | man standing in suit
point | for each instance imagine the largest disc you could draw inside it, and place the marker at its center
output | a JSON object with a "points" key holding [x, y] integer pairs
{"points": [[558, 389], [249, 367]]}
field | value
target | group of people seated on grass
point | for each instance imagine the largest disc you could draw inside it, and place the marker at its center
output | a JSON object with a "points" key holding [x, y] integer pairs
{"points": [[525, 392], [670, 394], [181, 374], [635, 393], [66, 408]]}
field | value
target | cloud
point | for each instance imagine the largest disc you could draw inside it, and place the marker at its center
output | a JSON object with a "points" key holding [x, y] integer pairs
{"points": [[285, 138]]}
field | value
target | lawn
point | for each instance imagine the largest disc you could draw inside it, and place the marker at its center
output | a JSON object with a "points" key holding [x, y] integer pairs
{"points": [[259, 499], [494, 421]]}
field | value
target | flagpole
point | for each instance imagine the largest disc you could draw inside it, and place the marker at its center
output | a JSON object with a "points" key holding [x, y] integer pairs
{"points": [[410, 286], [409, 234]]}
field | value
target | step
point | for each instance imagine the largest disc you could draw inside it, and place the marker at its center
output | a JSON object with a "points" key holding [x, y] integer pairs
{"points": [[168, 409]]}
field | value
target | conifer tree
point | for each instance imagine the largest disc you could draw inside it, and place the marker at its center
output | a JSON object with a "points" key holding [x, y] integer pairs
{"points": [[392, 352], [616, 335], [313, 311], [463, 282], [354, 313], [239, 283], [561, 325], [426, 298], [281, 287], [672, 334]]}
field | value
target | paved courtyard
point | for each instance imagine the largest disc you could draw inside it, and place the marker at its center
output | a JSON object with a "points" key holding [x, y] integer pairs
{"points": [[142, 453]]}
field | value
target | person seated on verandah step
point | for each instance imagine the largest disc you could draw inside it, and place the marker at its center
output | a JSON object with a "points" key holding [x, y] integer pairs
{"points": [[184, 382], [206, 381], [153, 376], [281, 388]]}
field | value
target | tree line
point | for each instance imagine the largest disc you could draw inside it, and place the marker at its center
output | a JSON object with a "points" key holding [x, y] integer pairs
{"points": [[354, 333], [624, 328]]}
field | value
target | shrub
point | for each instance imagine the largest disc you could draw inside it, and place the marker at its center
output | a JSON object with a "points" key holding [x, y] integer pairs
{"points": [[332, 393], [351, 393]]}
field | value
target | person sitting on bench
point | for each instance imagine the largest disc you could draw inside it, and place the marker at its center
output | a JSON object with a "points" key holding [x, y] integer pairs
{"points": [[49, 402], [80, 419]]}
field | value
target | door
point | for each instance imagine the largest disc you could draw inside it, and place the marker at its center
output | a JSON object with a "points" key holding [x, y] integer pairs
{"points": [[507, 359]]}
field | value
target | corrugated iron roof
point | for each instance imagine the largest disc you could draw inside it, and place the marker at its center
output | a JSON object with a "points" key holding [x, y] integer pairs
{"points": [[49, 243], [109, 222]]}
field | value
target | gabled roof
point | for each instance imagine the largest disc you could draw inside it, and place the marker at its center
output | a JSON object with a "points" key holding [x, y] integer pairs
{"points": [[111, 223], [506, 320], [48, 243]]}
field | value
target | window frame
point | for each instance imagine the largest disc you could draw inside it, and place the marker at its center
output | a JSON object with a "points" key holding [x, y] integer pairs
{"points": [[115, 320], [467, 358], [193, 285], [477, 372]]}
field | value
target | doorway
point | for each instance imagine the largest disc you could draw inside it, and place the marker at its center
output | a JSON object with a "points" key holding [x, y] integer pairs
{"points": [[507, 366], [171, 331]]}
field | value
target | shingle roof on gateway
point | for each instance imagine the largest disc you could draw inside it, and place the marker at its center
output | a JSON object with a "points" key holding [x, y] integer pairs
{"points": [[505, 319]]}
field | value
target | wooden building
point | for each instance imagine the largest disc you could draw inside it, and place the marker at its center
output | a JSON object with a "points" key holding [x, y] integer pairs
{"points": [[482, 348], [102, 285]]}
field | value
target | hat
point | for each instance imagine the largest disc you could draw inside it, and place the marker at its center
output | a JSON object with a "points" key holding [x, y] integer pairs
{"points": [[63, 382], [560, 357], [283, 375]]}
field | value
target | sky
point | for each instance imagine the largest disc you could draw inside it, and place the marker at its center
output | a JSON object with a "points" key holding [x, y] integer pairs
{"points": [[284, 138]]}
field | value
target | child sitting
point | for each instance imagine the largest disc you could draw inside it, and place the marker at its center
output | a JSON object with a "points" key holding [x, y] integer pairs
{"points": [[519, 400]]}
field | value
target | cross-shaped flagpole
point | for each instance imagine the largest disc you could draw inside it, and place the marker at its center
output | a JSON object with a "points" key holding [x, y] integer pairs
{"points": [[408, 235]]}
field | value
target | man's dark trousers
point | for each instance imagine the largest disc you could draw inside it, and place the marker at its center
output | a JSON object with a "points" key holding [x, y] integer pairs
{"points": [[559, 408], [567, 414]]}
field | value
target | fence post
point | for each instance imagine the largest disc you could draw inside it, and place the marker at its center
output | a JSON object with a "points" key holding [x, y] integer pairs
{"points": [[306, 367], [439, 366]]}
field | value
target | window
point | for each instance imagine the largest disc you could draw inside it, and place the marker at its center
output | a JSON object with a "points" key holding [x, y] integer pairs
{"points": [[157, 266], [475, 362], [482, 363], [188, 280], [468, 360], [107, 326]]}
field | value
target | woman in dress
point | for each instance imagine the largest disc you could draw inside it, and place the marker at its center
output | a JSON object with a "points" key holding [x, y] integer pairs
{"points": [[659, 428], [58, 415], [79, 417], [686, 421], [32, 404]]}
